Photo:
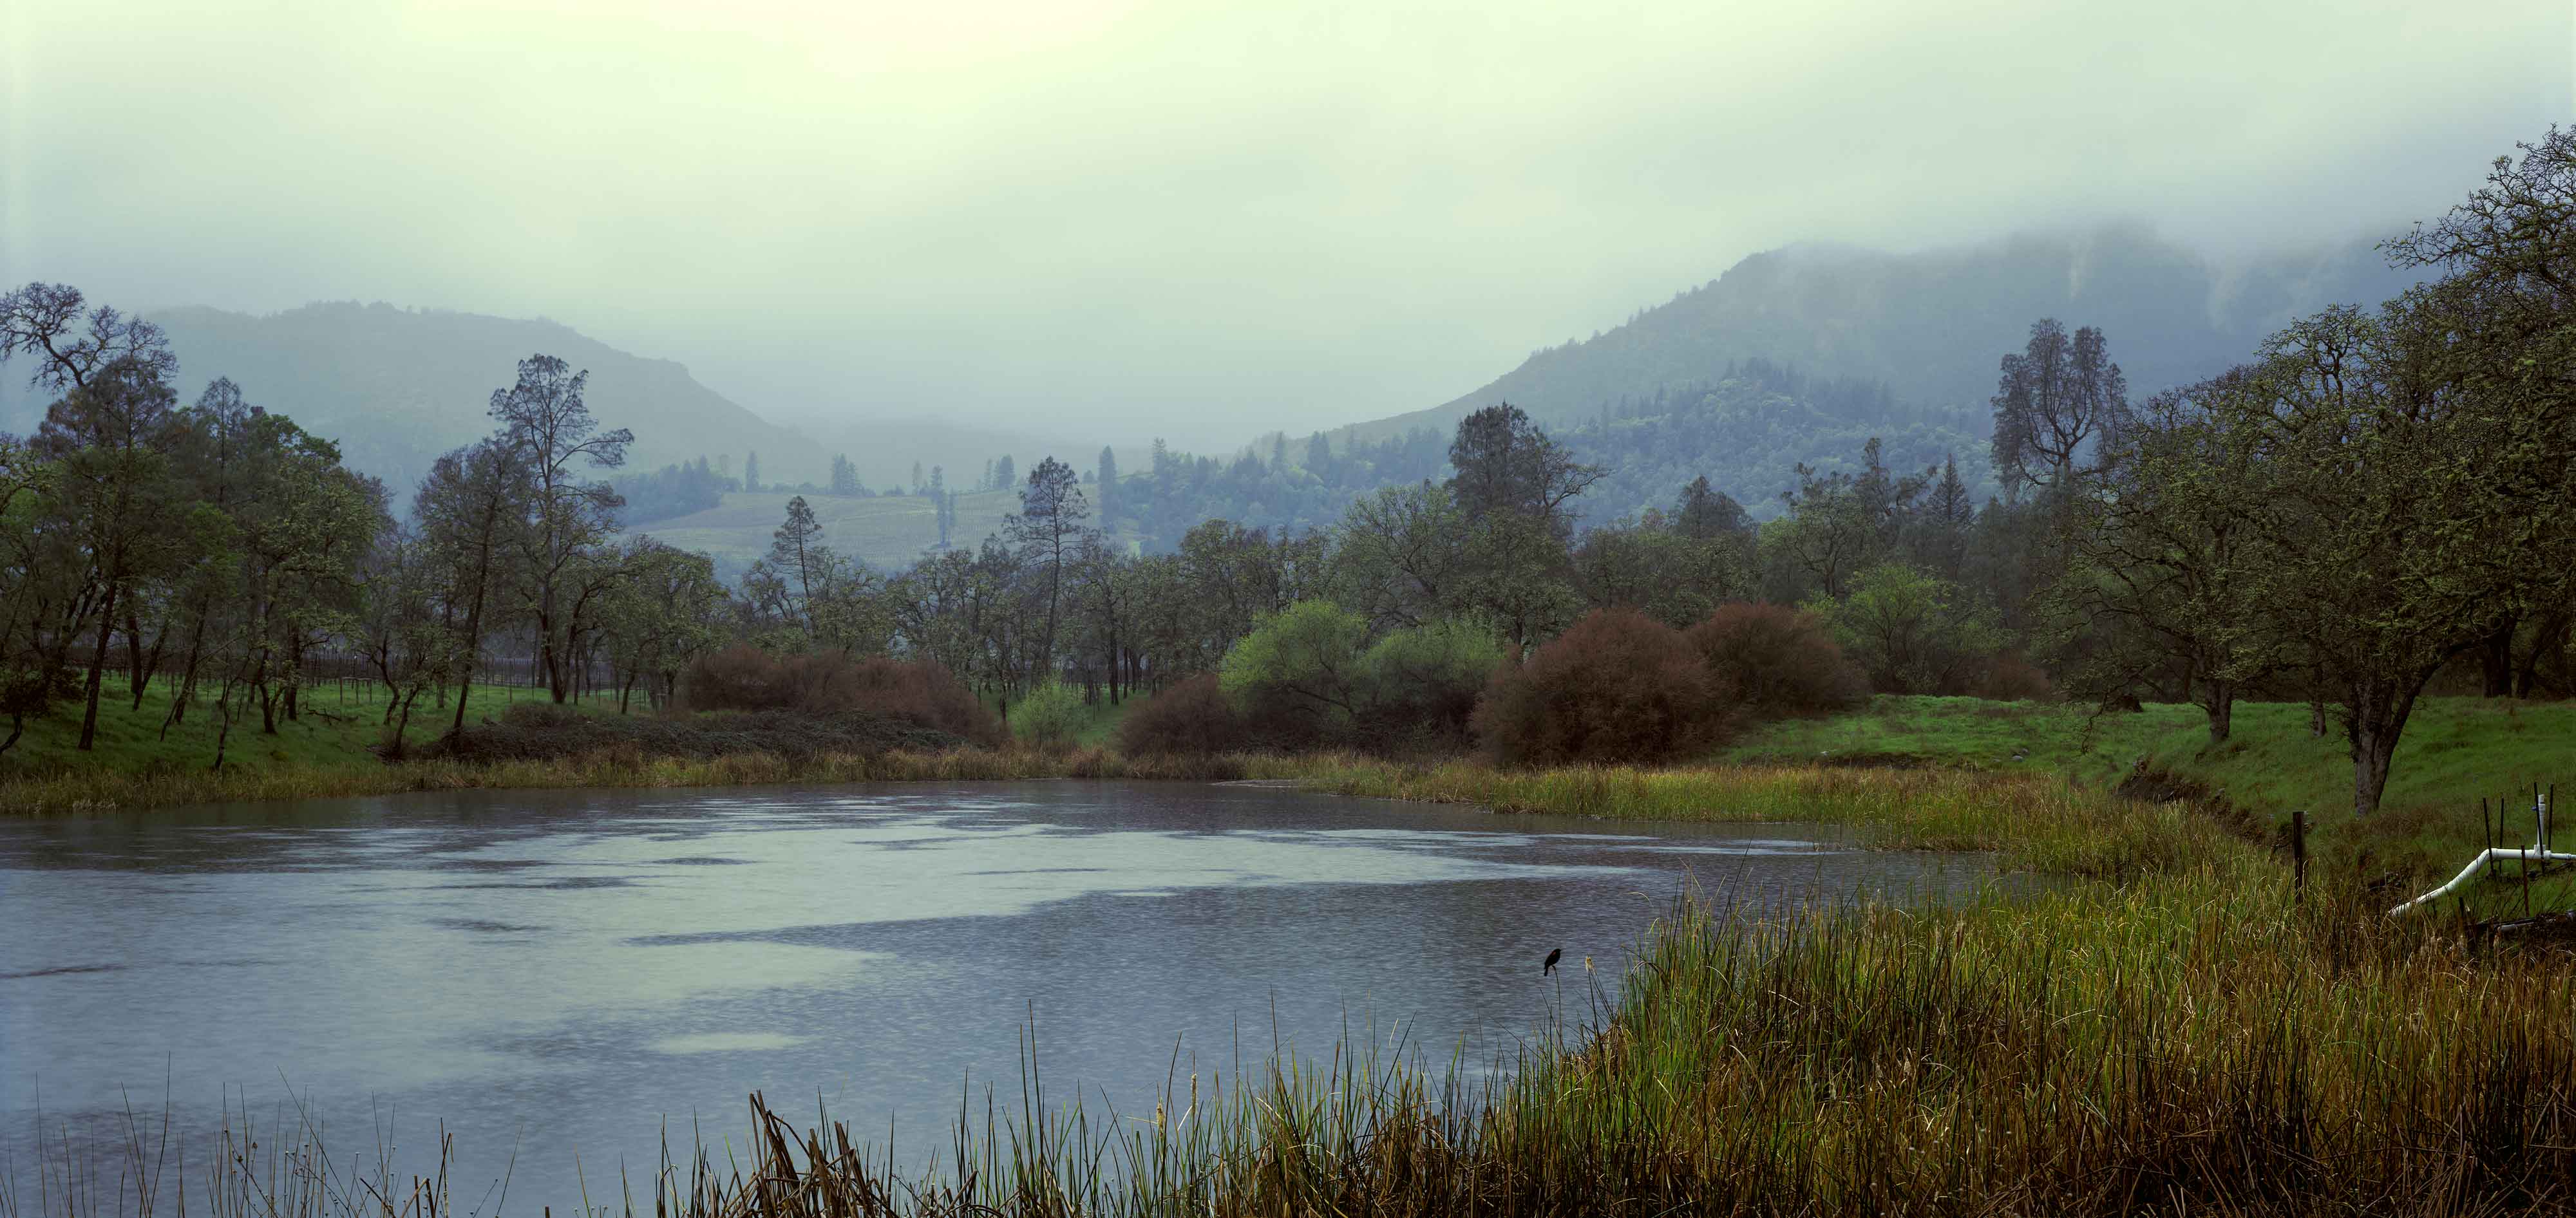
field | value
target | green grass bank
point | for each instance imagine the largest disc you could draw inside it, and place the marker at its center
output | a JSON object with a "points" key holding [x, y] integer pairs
{"points": [[2456, 751]]}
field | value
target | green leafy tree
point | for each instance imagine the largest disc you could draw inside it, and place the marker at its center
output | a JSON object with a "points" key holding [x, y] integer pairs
{"points": [[1049, 716], [1299, 670], [796, 552], [115, 492], [1911, 632], [1421, 682], [1401, 556], [1504, 463], [570, 519], [468, 509], [30, 587], [2166, 549], [1049, 530]]}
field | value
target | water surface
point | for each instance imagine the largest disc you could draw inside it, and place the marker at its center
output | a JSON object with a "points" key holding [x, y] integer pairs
{"points": [[560, 971]]}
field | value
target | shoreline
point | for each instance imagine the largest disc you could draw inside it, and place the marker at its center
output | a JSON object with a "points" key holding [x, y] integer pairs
{"points": [[2032, 822]]}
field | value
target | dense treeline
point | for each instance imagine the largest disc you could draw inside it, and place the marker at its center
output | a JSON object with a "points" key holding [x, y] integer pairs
{"points": [[224, 548], [2376, 497], [1745, 431], [673, 490], [2377, 494]]}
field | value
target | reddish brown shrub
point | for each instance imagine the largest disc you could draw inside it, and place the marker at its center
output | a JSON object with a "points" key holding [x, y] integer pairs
{"points": [[1780, 661], [831, 683], [1619, 686], [1191, 719], [2010, 678], [740, 677]]}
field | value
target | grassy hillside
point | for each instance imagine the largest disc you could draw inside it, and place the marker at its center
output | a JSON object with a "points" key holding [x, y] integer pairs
{"points": [[2455, 751], [887, 532]]}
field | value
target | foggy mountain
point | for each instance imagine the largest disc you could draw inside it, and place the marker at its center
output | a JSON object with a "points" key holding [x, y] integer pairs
{"points": [[396, 387], [1801, 356], [1931, 326]]}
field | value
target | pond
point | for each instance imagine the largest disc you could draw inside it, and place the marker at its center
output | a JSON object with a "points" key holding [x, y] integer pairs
{"points": [[554, 974]]}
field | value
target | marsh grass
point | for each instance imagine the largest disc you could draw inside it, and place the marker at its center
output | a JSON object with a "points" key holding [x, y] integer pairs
{"points": [[2036, 823], [2197, 1041], [93, 791]]}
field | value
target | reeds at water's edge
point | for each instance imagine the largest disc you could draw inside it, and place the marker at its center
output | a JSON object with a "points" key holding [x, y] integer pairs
{"points": [[2192, 1040], [92, 791]]}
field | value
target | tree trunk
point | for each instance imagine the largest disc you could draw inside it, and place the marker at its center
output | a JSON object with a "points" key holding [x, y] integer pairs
{"points": [[403, 724], [2373, 748], [2378, 707], [473, 652], [2549, 636], [223, 727], [187, 690], [2220, 703], [558, 665], [2495, 661], [137, 673], [97, 666], [2316, 718]]}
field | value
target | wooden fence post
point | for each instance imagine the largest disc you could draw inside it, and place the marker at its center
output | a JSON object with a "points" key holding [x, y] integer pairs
{"points": [[2298, 853]]}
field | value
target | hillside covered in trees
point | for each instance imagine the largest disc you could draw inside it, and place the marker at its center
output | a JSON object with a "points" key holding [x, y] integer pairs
{"points": [[1922, 323], [1801, 356], [1746, 431]]}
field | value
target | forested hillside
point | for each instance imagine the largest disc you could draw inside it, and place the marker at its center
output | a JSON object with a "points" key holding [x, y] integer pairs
{"points": [[1801, 356], [1927, 324], [1747, 430]]}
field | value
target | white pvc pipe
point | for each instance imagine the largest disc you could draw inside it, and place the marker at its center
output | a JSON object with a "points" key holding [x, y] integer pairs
{"points": [[2535, 855], [2538, 853]]}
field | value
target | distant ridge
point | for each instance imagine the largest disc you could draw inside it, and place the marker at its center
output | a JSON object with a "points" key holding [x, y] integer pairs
{"points": [[1932, 325], [397, 387]]}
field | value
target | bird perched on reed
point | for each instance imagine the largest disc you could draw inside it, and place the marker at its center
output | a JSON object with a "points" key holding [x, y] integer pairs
{"points": [[1550, 965]]}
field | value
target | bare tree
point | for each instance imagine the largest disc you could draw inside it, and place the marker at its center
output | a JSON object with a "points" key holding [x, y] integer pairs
{"points": [[73, 345]]}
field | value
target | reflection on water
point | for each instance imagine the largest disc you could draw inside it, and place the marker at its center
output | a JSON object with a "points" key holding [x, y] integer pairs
{"points": [[563, 970]]}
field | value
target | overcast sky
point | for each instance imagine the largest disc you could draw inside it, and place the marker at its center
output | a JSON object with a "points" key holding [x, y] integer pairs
{"points": [[1194, 220]]}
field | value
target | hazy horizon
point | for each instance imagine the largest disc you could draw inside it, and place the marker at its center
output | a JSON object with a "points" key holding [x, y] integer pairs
{"points": [[1185, 220]]}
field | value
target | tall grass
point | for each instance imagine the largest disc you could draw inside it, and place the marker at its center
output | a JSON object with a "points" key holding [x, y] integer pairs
{"points": [[2196, 1041], [2037, 823], [90, 791]]}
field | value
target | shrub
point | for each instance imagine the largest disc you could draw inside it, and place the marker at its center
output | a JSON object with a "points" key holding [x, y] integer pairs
{"points": [[2010, 678], [1191, 719], [740, 677], [1049, 716], [1779, 661], [1418, 686], [1912, 632], [1297, 675], [833, 683], [1619, 686]]}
